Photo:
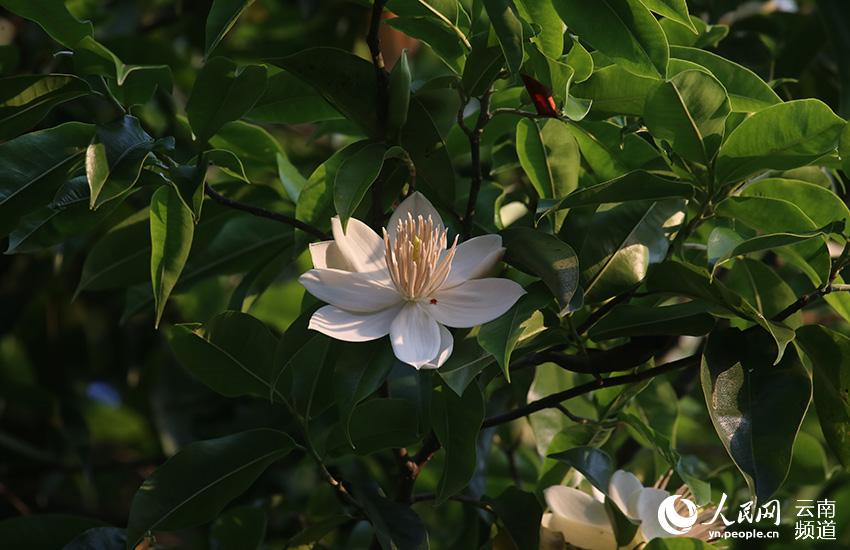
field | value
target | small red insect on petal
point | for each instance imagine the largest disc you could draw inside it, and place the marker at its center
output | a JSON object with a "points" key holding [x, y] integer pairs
{"points": [[544, 103], [433, 301]]}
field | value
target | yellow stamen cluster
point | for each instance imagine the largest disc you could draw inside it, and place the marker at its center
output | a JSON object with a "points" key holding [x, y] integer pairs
{"points": [[417, 259]]}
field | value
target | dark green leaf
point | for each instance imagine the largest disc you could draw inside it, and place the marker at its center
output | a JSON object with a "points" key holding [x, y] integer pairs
{"points": [[456, 421], [194, 485], [624, 30], [317, 531], [354, 178], [43, 531], [616, 91], [829, 353], [99, 538], [545, 256], [223, 92], [633, 320], [223, 15], [359, 372], [288, 100], [594, 464], [242, 528], [232, 354], [25, 100], [634, 186], [467, 360], [396, 525], [756, 407], [53, 17], [508, 31], [172, 229], [376, 425], [427, 149], [439, 36], [520, 513]]}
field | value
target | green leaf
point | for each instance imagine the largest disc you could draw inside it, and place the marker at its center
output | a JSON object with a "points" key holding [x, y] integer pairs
{"points": [[115, 157], [762, 287], [66, 216], [354, 178], [289, 100], [481, 68], [747, 92], [771, 241], [677, 10], [633, 320], [634, 186], [550, 41], [397, 527], [524, 319], [398, 103], [673, 277], [43, 531], [689, 111], [616, 91], [627, 239], [228, 162], [223, 92], [359, 372], [194, 485], [223, 15], [35, 165], [532, 157], [242, 528], [53, 17], [291, 178], [594, 464], [25, 100], [439, 36], [252, 144], [99, 538], [844, 149], [232, 353], [339, 77], [376, 425], [317, 531], [624, 30], [172, 228], [545, 256], [821, 205], [520, 512], [678, 543], [550, 157], [508, 31], [427, 149], [467, 360], [316, 201], [756, 407], [456, 421], [829, 353], [781, 137]]}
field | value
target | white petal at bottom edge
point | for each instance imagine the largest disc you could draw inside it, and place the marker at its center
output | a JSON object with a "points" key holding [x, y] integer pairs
{"points": [[580, 519], [415, 336], [446, 347], [474, 302], [353, 327]]}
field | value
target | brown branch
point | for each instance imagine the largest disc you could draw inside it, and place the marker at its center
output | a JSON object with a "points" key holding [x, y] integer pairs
{"points": [[827, 288], [263, 213], [414, 467], [484, 116], [552, 401], [627, 356]]}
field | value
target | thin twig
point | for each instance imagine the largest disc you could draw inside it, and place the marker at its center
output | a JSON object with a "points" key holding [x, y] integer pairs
{"points": [[263, 213], [518, 112], [484, 117], [630, 355], [424, 497]]}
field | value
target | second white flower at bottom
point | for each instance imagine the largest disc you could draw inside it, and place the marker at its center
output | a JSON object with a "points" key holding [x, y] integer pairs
{"points": [[408, 284]]}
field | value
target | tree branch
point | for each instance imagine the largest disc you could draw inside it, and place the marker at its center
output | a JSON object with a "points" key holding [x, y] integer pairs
{"points": [[382, 95], [621, 358], [554, 400], [414, 467], [263, 213], [827, 288], [484, 117]]}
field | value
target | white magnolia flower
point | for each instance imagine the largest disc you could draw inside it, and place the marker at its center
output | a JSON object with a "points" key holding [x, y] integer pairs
{"points": [[580, 519], [406, 284]]}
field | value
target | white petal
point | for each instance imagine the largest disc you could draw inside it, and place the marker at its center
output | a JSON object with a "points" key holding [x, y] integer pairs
{"points": [[327, 255], [549, 538], [647, 504], [359, 245], [353, 327], [475, 258], [474, 302], [580, 519], [415, 336], [417, 205], [357, 292], [622, 487], [446, 346]]}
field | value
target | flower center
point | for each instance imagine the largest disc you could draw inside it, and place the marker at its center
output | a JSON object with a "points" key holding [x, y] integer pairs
{"points": [[418, 260]]}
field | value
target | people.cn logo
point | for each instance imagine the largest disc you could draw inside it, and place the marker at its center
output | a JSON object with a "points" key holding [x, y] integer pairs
{"points": [[671, 520]]}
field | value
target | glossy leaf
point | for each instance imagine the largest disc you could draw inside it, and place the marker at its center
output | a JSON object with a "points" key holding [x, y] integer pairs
{"points": [[594, 464], [829, 353], [223, 15], [172, 228], [289, 100], [242, 528], [359, 372], [223, 92], [633, 320], [115, 157], [520, 512], [779, 137], [376, 425], [756, 407], [614, 90], [550, 41], [194, 485], [438, 35], [354, 178], [677, 10], [396, 525], [456, 421], [316, 201], [53, 17], [689, 111], [545, 256], [634, 186], [468, 359], [25, 100], [747, 92], [508, 31], [624, 30], [232, 354], [819, 204]]}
